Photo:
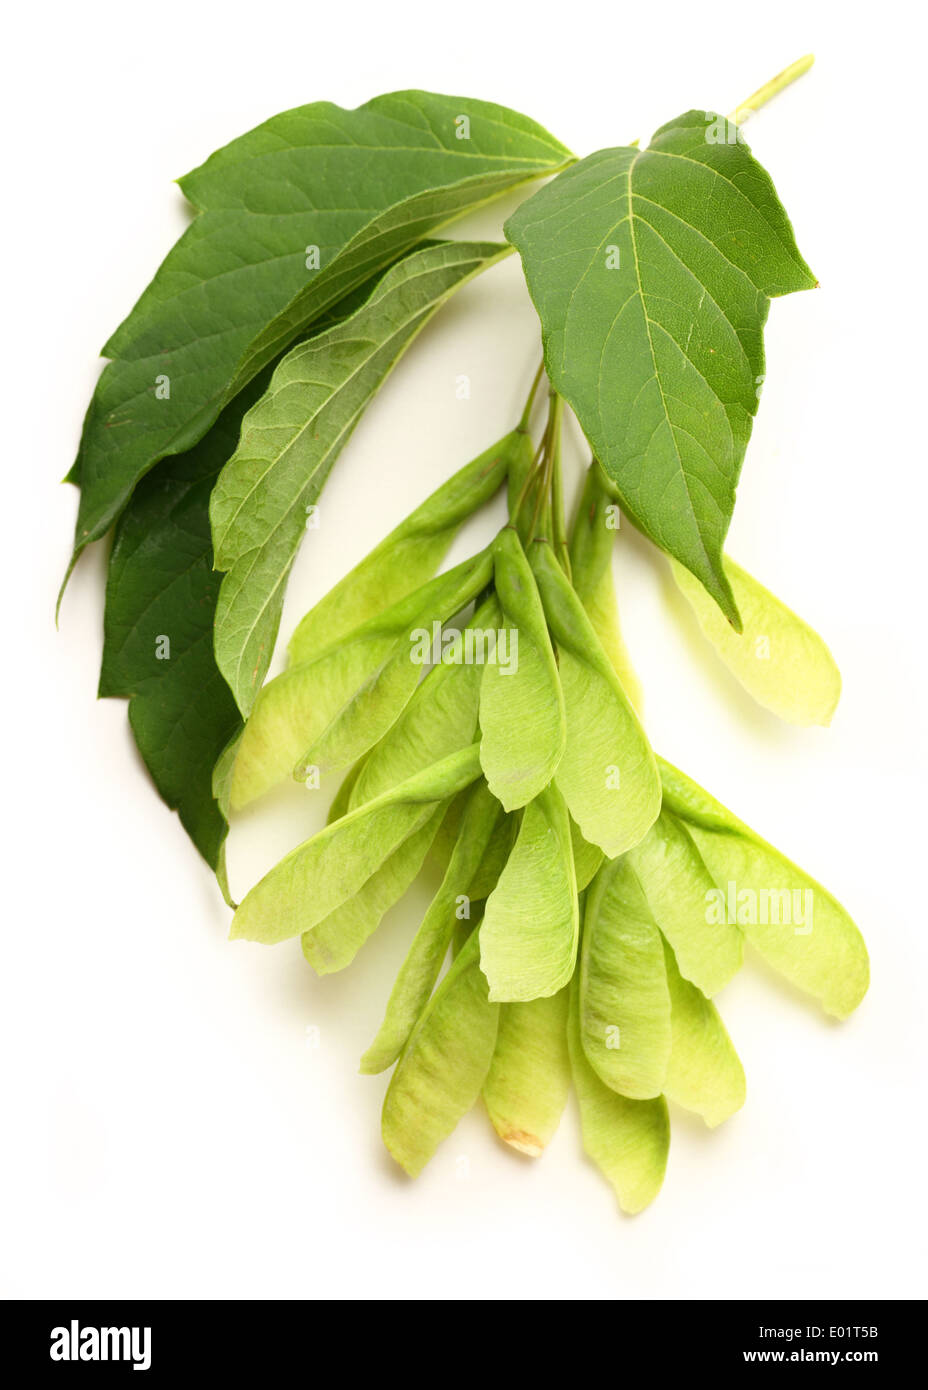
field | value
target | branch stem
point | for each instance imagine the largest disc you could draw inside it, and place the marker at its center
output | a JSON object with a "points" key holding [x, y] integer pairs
{"points": [[771, 89]]}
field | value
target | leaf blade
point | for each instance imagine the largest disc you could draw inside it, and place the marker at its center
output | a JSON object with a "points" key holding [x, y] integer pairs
{"points": [[291, 439], [233, 291], [653, 332]]}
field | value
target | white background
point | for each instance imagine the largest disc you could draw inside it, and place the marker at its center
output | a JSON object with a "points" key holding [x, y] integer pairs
{"points": [[167, 1130]]}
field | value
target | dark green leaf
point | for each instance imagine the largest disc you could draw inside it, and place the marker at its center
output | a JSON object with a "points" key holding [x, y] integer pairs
{"points": [[361, 187], [161, 585]]}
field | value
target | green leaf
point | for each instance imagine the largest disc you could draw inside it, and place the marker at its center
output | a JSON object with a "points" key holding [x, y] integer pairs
{"points": [[678, 888], [624, 1001], [652, 271], [704, 1073], [526, 1087], [161, 585], [439, 1076], [795, 923], [423, 962], [410, 554], [777, 657], [292, 437], [628, 1140], [362, 186], [607, 773], [521, 706], [334, 942], [161, 593], [327, 870], [296, 708], [531, 923]]}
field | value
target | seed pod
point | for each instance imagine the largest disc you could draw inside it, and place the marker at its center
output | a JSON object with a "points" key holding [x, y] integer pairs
{"points": [[444, 1064], [628, 1140], [795, 923], [777, 657], [531, 923], [334, 942], [591, 546], [608, 774], [587, 858], [422, 965], [704, 1072], [440, 719], [410, 554], [326, 871], [521, 706], [294, 711], [526, 1087], [679, 889], [377, 704], [624, 1002]]}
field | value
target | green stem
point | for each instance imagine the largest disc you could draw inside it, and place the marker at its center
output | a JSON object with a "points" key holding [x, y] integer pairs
{"points": [[526, 414], [541, 509], [558, 526], [771, 89]]}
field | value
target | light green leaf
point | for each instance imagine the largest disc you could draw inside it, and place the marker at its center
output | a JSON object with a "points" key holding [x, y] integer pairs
{"points": [[793, 921], [628, 1140], [607, 774], [439, 1076], [704, 1073], [327, 870], [423, 963], [377, 704], [652, 271], [521, 706], [296, 708], [291, 438], [335, 941], [239, 285], [531, 923], [440, 719], [679, 890], [526, 1088], [410, 554], [591, 544], [624, 1001], [777, 657]]}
